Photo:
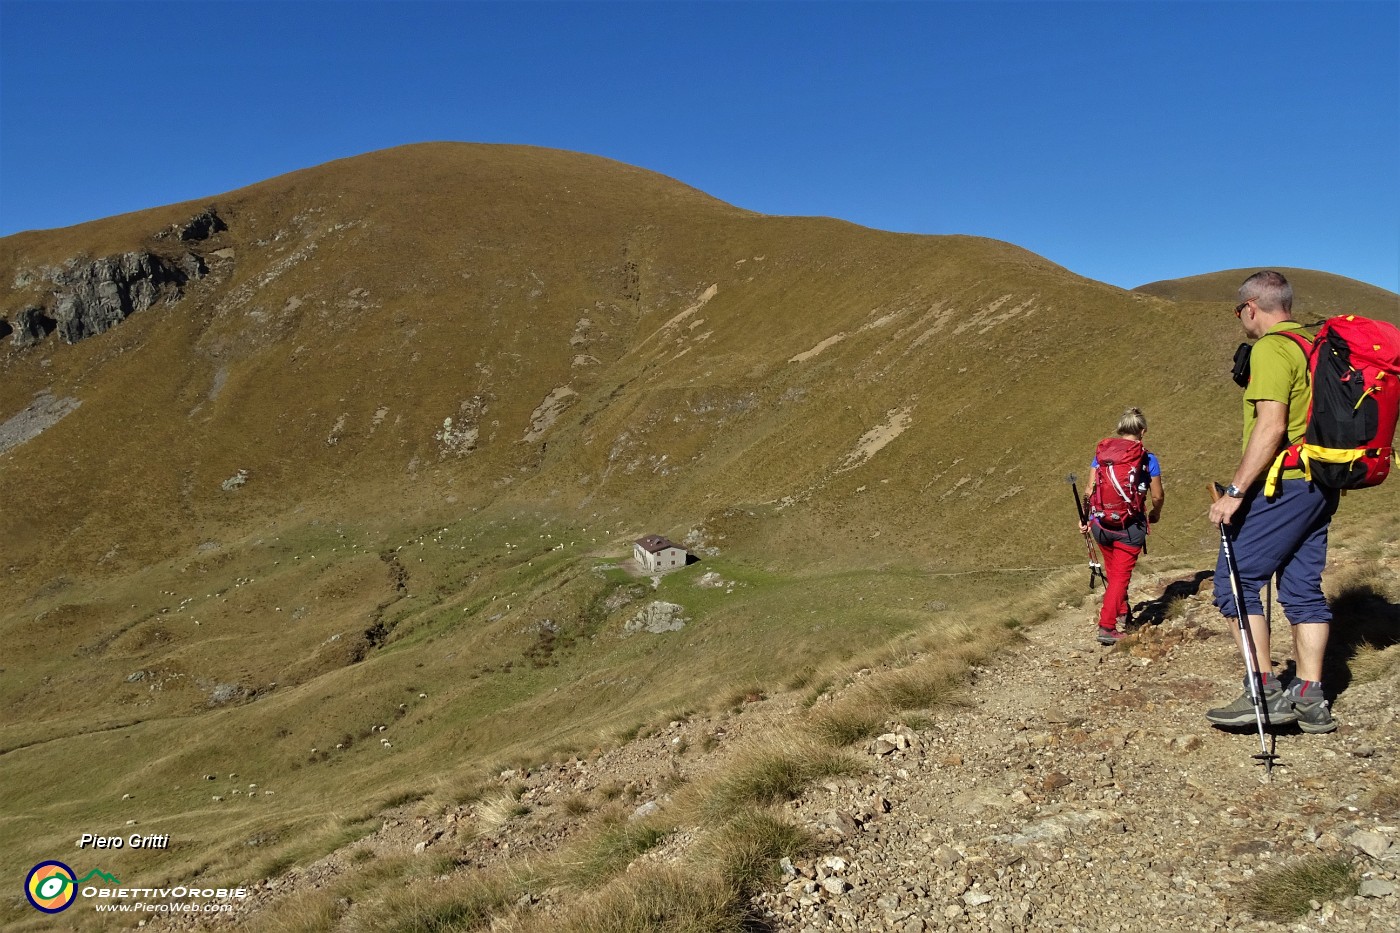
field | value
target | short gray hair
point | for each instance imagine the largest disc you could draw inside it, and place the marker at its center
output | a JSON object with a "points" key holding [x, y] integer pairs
{"points": [[1270, 289]]}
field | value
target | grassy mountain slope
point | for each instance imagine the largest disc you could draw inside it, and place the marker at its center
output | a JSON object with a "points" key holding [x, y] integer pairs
{"points": [[1316, 294], [870, 429]]}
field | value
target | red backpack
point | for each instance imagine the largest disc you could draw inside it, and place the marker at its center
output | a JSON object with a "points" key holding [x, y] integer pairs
{"points": [[1354, 371], [1120, 481]]}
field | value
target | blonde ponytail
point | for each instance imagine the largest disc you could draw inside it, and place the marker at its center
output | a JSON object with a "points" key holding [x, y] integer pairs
{"points": [[1132, 424]]}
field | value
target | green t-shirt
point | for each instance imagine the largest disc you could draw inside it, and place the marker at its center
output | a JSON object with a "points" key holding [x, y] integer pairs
{"points": [[1278, 372]]}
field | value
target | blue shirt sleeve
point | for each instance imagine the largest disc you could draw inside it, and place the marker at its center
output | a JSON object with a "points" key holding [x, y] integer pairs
{"points": [[1153, 467]]}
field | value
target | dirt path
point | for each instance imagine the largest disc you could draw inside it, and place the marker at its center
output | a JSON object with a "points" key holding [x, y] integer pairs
{"points": [[1081, 789]]}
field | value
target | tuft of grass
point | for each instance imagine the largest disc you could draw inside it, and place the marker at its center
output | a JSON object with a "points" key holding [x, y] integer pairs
{"points": [[1362, 602], [656, 899], [750, 694], [467, 793], [401, 798], [498, 811], [847, 723], [816, 692], [1177, 608], [918, 687], [917, 722], [576, 805], [1063, 590], [469, 903], [1285, 893], [275, 867], [615, 846], [1365, 617], [746, 850], [672, 782], [766, 776], [300, 915], [709, 895], [1371, 664], [802, 678], [323, 910], [563, 752], [441, 864]]}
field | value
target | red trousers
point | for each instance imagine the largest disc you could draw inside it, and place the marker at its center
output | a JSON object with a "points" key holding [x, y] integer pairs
{"points": [[1119, 559]]}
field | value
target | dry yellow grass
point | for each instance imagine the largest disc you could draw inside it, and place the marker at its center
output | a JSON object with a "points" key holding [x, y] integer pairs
{"points": [[1286, 893]]}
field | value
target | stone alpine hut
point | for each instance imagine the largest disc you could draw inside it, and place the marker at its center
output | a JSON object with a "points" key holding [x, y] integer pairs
{"points": [[655, 553]]}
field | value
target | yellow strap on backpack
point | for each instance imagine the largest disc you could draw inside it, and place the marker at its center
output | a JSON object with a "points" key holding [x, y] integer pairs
{"points": [[1306, 454]]}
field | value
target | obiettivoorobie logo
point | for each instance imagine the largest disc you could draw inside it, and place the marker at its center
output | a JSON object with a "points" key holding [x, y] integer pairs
{"points": [[52, 886]]}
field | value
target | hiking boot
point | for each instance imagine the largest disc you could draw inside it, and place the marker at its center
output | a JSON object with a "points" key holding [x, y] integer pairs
{"points": [[1278, 708], [1311, 707], [1109, 636]]}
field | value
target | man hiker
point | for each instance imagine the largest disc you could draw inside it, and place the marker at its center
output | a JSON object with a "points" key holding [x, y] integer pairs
{"points": [[1285, 535]]}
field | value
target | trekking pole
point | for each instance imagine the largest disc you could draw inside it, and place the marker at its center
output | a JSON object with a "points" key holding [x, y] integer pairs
{"points": [[1095, 567], [1266, 757], [1269, 604]]}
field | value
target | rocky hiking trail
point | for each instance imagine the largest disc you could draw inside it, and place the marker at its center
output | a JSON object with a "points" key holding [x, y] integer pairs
{"points": [[1070, 787], [1082, 789]]}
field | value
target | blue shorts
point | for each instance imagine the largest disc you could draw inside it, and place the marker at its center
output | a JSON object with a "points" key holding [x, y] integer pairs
{"points": [[1287, 536]]}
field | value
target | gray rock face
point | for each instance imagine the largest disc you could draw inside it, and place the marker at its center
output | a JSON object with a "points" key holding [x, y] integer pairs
{"points": [[203, 225], [91, 297], [657, 617], [227, 693], [31, 326]]}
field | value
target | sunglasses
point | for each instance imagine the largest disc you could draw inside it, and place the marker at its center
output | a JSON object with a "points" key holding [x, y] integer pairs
{"points": [[1239, 308]]}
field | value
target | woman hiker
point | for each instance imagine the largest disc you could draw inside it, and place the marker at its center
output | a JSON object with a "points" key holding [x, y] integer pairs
{"points": [[1125, 474]]}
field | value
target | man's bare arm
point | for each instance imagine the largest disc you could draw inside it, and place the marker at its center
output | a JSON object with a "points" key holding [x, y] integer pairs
{"points": [[1265, 441]]}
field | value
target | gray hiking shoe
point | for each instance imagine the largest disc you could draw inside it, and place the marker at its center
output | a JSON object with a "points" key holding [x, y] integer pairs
{"points": [[1278, 709], [1109, 636], [1312, 709]]}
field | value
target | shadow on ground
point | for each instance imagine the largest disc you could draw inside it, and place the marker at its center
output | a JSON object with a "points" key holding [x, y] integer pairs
{"points": [[1362, 616], [1155, 611]]}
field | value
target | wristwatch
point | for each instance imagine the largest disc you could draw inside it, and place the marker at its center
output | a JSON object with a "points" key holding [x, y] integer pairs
{"points": [[1234, 492]]}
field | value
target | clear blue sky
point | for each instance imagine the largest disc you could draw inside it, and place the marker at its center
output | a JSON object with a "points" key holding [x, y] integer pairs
{"points": [[1127, 141]]}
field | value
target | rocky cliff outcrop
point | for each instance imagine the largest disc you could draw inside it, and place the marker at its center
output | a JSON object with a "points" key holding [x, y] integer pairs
{"points": [[199, 227], [30, 326], [92, 296]]}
